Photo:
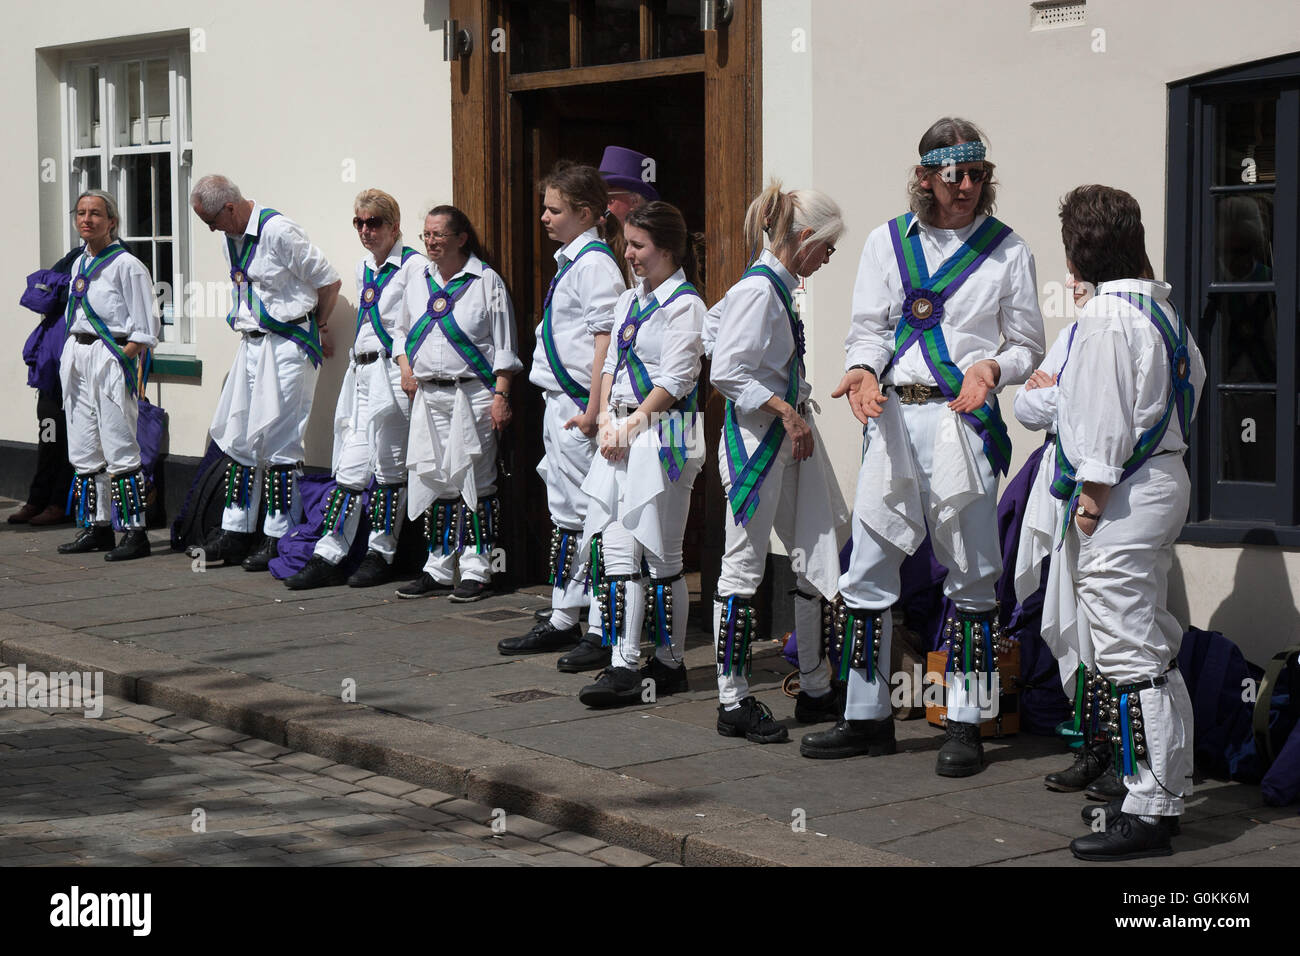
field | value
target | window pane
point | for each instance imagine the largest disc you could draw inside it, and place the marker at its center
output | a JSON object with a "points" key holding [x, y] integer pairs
{"points": [[166, 276], [158, 101], [612, 32], [1246, 325], [86, 84], [88, 173], [162, 209], [1243, 238], [1245, 138], [539, 35], [137, 199], [133, 117], [677, 28], [1248, 436], [142, 249]]}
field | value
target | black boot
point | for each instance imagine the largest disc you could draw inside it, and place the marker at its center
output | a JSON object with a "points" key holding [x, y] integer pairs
{"points": [[373, 570], [587, 656], [851, 738], [753, 721], [261, 559], [222, 545], [316, 573], [668, 680], [1126, 838], [962, 754], [615, 687], [1110, 813], [816, 710], [1091, 763], [135, 544], [97, 538], [1106, 787]]}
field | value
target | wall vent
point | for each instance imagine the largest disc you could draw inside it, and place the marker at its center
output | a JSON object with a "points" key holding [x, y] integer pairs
{"points": [[1056, 14]]}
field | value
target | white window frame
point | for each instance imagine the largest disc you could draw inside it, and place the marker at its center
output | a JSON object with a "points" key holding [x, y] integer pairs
{"points": [[178, 337]]}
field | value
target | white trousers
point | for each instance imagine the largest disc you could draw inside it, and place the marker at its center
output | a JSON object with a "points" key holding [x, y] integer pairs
{"points": [[623, 555], [261, 420], [437, 405], [568, 456], [102, 420], [371, 425], [1121, 575], [872, 580], [745, 556]]}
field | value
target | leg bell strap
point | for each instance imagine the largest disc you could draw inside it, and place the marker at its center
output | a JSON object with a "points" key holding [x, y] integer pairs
{"points": [[339, 506], [443, 527], [83, 498], [856, 644], [974, 638], [239, 484], [481, 525], [735, 634], [383, 507], [278, 483], [659, 611], [128, 494]]}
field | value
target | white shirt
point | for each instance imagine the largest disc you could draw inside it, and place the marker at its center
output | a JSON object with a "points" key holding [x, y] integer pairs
{"points": [[668, 342], [1036, 408], [484, 313], [993, 314], [391, 298], [1117, 382], [122, 296], [582, 306], [710, 331], [286, 270], [754, 346]]}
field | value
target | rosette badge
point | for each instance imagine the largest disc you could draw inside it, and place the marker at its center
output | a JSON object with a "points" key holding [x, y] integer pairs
{"points": [[922, 309], [439, 305], [629, 333], [236, 276], [369, 294], [79, 285]]}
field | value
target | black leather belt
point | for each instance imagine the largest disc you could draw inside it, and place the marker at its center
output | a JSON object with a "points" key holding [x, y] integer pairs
{"points": [[448, 382], [916, 394], [365, 358], [89, 338], [622, 410]]}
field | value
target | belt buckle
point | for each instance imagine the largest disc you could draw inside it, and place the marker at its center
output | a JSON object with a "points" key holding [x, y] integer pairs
{"points": [[914, 394]]}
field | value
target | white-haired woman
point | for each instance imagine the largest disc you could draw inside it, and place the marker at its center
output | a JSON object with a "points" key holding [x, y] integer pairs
{"points": [[774, 469], [110, 322]]}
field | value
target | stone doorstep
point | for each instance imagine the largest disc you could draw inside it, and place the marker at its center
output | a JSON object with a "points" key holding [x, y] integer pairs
{"points": [[552, 790]]}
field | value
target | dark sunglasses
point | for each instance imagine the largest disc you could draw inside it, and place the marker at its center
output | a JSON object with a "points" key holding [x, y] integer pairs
{"points": [[955, 176], [374, 222]]}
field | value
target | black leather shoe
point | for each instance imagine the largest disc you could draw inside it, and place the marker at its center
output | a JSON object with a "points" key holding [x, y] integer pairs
{"points": [[469, 591], [1110, 813], [851, 738], [423, 586], [98, 538], [587, 656], [316, 573], [668, 680], [222, 545], [818, 710], [962, 754], [373, 570], [135, 544], [1090, 764], [541, 639], [260, 559], [614, 687], [752, 720], [1125, 838], [542, 614], [1106, 787]]}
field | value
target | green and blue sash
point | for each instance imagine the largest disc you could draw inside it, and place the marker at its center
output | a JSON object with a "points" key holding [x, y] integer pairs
{"points": [[439, 312], [306, 338], [372, 287], [748, 471], [924, 296], [90, 269], [567, 382], [672, 433], [1181, 402]]}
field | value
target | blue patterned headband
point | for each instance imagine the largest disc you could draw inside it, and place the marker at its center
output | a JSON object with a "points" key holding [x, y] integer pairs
{"points": [[972, 152]]}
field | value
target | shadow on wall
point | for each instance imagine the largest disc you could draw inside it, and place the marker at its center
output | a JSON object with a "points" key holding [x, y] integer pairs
{"points": [[1259, 614]]}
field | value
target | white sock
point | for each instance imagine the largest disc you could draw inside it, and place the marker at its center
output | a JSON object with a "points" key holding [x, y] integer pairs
{"points": [[564, 619]]}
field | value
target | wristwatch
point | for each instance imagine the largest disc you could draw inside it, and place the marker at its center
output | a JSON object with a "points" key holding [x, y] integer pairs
{"points": [[1083, 512]]}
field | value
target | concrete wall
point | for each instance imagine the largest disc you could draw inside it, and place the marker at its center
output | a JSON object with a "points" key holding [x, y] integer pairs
{"points": [[302, 103], [862, 81]]}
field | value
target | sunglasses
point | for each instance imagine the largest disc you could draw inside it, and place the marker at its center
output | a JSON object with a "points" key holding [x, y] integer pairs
{"points": [[955, 176], [373, 222]]}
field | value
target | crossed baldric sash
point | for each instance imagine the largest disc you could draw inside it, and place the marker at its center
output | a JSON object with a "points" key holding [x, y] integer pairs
{"points": [[672, 446], [567, 382], [78, 295], [308, 338], [438, 314], [1182, 399], [372, 287]]}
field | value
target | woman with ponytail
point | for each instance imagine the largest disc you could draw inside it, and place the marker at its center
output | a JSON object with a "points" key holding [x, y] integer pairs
{"points": [[651, 450], [774, 469]]}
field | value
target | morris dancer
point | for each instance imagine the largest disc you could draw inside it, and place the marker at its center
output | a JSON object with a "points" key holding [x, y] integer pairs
{"points": [[373, 415], [459, 361], [110, 322], [284, 291], [774, 468], [945, 311]]}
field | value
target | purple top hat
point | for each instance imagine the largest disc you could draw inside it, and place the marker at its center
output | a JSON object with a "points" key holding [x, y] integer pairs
{"points": [[622, 169]]}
